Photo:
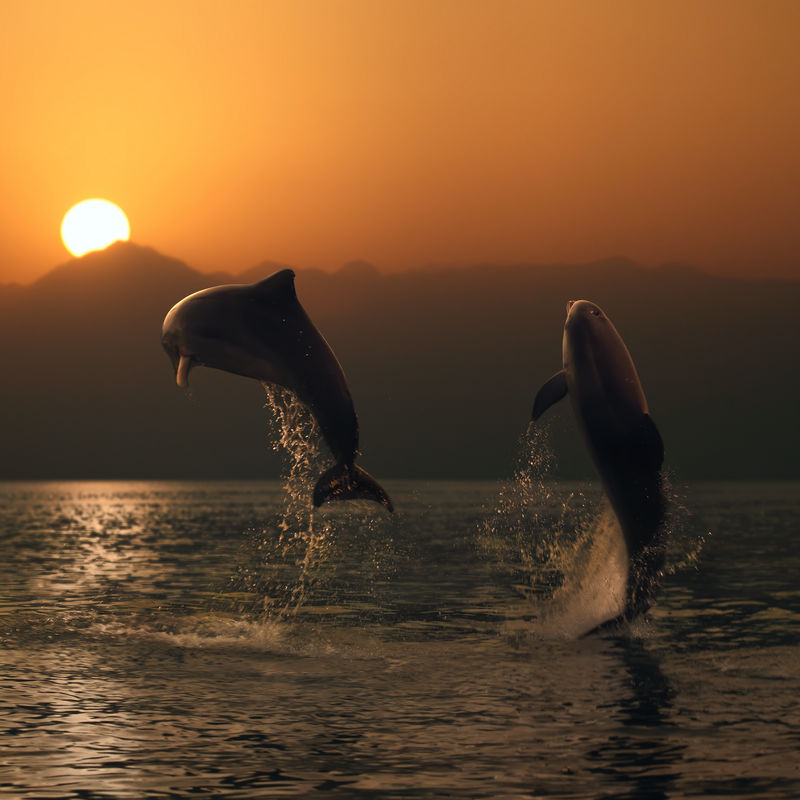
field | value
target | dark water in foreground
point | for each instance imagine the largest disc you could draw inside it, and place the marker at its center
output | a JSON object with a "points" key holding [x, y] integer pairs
{"points": [[163, 640]]}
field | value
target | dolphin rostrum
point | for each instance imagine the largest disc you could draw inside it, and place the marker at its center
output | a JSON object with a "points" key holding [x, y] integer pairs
{"points": [[261, 331], [611, 410]]}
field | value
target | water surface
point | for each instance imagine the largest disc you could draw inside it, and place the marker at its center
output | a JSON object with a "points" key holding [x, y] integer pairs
{"points": [[220, 640]]}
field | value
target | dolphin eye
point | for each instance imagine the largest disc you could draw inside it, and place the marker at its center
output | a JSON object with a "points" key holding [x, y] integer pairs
{"points": [[596, 312]]}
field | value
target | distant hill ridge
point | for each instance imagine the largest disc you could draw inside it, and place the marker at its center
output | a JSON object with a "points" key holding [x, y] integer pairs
{"points": [[443, 363], [131, 260]]}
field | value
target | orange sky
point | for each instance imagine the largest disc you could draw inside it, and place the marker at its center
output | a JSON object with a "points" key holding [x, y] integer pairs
{"points": [[406, 131]]}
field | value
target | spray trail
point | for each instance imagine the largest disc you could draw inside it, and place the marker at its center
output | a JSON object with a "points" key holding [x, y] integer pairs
{"points": [[304, 539], [563, 550], [534, 521], [285, 559], [687, 535]]}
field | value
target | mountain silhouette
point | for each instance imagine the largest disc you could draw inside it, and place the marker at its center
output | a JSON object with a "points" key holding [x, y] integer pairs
{"points": [[443, 364]]}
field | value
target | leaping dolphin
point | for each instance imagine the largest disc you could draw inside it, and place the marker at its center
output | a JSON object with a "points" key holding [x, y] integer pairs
{"points": [[261, 331], [609, 404]]}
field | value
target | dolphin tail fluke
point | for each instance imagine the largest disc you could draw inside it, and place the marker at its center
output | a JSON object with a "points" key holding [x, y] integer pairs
{"points": [[349, 482]]}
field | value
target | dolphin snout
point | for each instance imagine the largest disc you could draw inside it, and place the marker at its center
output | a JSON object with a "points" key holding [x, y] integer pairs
{"points": [[182, 372], [181, 364]]}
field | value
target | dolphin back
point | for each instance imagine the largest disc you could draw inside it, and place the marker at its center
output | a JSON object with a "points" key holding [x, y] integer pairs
{"points": [[349, 482]]}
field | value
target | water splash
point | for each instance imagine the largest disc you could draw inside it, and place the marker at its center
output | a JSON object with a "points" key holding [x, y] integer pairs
{"points": [[563, 549], [534, 521], [297, 439], [213, 631], [686, 535], [595, 568], [286, 558], [291, 563]]}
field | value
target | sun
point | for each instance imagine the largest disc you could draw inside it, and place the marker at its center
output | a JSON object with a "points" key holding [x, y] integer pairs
{"points": [[93, 225]]}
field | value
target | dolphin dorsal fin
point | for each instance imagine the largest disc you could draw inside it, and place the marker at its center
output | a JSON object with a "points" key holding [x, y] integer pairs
{"points": [[552, 391], [279, 285]]}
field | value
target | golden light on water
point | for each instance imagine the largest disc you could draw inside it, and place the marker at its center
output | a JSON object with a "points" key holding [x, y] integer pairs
{"points": [[93, 225]]}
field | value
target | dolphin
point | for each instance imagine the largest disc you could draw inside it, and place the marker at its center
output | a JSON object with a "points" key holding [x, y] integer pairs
{"points": [[261, 331], [612, 413]]}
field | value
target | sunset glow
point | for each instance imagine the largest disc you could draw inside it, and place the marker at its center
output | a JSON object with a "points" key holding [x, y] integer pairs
{"points": [[93, 225], [406, 132]]}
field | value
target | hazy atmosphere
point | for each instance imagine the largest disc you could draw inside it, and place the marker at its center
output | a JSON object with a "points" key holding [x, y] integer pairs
{"points": [[443, 366]]}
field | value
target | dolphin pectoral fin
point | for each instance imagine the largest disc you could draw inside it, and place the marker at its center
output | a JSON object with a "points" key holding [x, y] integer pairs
{"points": [[349, 482], [182, 373], [554, 390]]}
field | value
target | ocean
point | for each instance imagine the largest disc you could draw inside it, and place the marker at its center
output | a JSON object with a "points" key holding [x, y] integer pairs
{"points": [[221, 640]]}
